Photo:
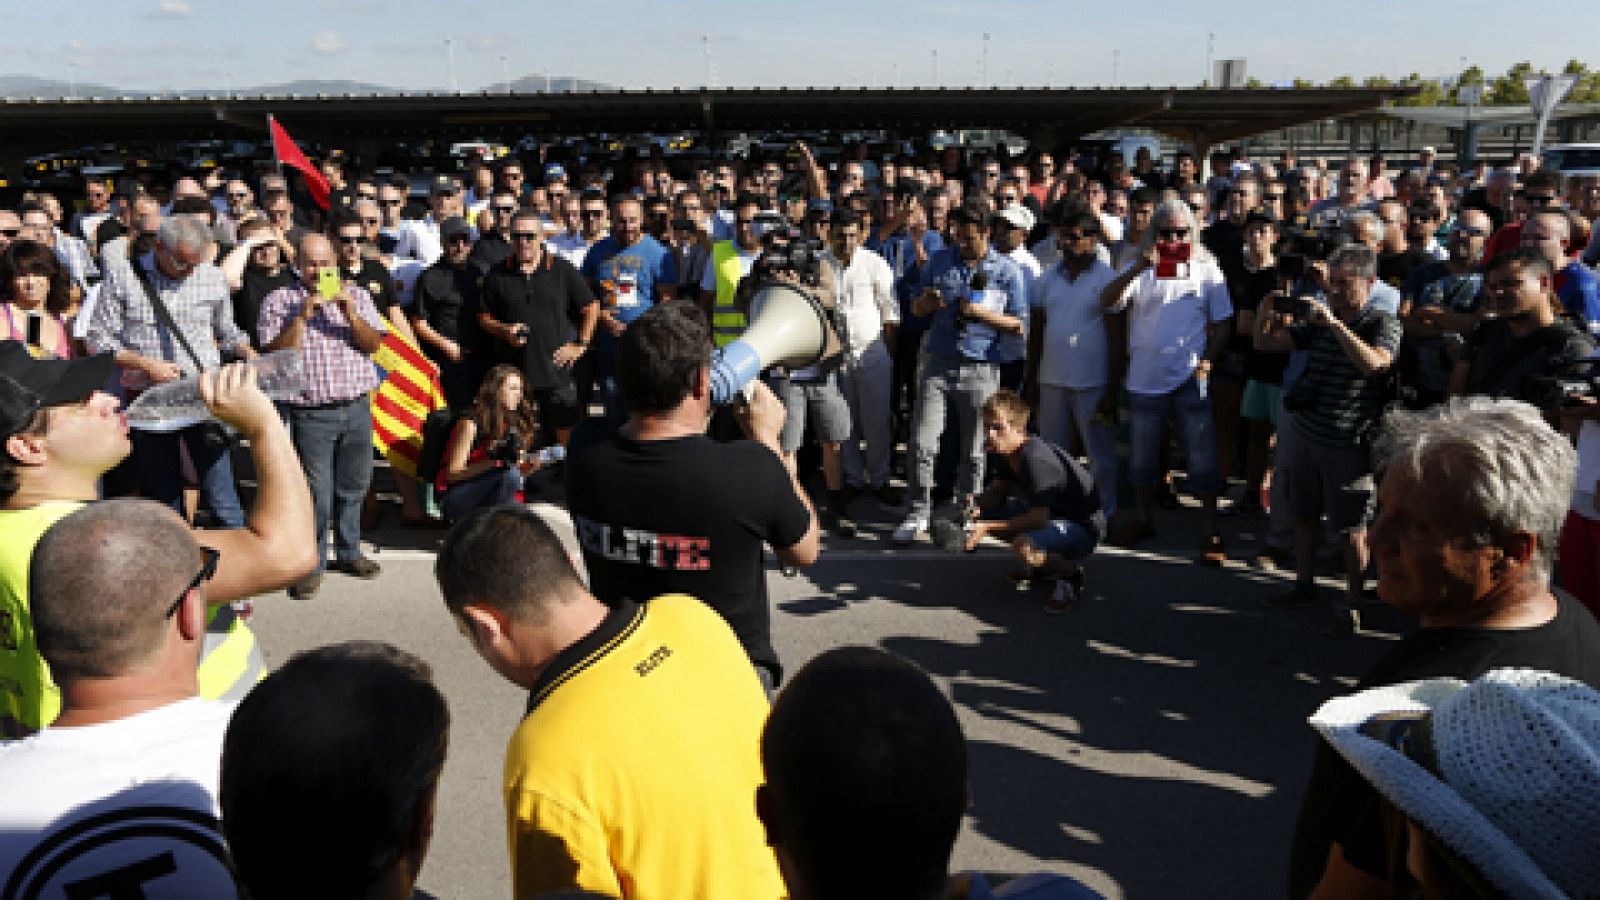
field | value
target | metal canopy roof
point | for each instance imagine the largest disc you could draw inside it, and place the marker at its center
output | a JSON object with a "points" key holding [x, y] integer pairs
{"points": [[1198, 114]]}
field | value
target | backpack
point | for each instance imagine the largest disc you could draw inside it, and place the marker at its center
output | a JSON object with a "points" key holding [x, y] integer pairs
{"points": [[436, 430]]}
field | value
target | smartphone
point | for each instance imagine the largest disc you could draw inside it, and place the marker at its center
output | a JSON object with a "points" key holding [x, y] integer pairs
{"points": [[35, 329], [1173, 259], [329, 284]]}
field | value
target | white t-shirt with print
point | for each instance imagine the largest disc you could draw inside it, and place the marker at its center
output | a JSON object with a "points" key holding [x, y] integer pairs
{"points": [[125, 808]]}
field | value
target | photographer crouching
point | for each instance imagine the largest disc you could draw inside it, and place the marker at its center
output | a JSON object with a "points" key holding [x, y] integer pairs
{"points": [[1334, 407]]}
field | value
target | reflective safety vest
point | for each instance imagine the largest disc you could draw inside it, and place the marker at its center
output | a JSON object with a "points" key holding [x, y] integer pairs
{"points": [[230, 664], [727, 320]]}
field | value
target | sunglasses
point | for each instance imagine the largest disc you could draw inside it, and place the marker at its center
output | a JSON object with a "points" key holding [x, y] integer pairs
{"points": [[505, 209], [458, 239], [1541, 199], [525, 235], [1172, 234], [1075, 236], [208, 568], [391, 202], [348, 239], [10, 232], [1471, 231], [592, 213], [1273, 198]]}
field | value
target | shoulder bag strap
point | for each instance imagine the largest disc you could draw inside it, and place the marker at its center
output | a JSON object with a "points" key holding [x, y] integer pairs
{"points": [[164, 314]]}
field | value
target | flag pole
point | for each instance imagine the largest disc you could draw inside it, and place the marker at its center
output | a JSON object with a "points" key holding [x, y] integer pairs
{"points": [[277, 162]]}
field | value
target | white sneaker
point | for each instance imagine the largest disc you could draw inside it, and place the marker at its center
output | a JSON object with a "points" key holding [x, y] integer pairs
{"points": [[914, 525]]}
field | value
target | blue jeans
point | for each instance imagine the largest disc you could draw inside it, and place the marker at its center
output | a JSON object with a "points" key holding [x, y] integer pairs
{"points": [[1065, 538], [1192, 408], [335, 447], [155, 454], [494, 488]]}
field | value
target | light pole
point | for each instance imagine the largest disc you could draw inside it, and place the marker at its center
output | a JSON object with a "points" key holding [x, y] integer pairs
{"points": [[450, 63], [505, 72], [935, 52]]}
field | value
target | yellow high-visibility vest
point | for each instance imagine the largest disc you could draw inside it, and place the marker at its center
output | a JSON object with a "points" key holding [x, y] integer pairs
{"points": [[727, 320]]}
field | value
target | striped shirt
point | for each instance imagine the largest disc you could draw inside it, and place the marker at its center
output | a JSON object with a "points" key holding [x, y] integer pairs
{"points": [[202, 307], [336, 369], [74, 255], [1347, 404]]}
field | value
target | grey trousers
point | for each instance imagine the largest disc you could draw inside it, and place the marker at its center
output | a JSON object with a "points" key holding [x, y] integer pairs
{"points": [[967, 384], [866, 385]]}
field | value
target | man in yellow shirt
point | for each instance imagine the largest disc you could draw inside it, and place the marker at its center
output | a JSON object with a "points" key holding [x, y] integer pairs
{"points": [[633, 772], [59, 432]]}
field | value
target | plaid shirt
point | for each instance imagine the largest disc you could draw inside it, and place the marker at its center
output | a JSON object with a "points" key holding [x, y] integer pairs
{"points": [[74, 254], [336, 369], [124, 318]]}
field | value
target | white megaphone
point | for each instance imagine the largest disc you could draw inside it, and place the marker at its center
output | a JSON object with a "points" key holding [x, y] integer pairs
{"points": [[788, 327]]}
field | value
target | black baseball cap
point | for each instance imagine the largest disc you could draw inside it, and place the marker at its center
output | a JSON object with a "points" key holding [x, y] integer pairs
{"points": [[454, 226], [28, 385]]}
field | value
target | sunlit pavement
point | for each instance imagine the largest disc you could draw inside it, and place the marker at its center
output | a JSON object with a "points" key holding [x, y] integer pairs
{"points": [[1150, 741]]}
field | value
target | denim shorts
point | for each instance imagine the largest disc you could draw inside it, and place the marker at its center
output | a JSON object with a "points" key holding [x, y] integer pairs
{"points": [[1192, 408], [1065, 538]]}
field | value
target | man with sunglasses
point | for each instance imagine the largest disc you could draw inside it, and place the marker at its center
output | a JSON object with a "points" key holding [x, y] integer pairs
{"points": [[539, 315], [119, 592], [60, 432], [419, 238], [127, 323], [1440, 303], [444, 309]]}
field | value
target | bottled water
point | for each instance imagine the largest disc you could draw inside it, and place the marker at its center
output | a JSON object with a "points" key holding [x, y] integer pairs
{"points": [[177, 404]]}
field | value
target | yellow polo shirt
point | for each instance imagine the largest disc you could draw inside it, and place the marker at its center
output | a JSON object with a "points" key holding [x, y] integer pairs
{"points": [[634, 772]]}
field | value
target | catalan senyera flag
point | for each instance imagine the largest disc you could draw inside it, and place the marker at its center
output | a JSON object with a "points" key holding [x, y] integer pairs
{"points": [[409, 392]]}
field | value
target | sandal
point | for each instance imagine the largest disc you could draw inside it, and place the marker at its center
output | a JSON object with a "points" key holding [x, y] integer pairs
{"points": [[1214, 554]]}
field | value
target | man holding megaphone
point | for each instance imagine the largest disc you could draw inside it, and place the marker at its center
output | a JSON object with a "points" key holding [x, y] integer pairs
{"points": [[978, 301], [661, 508]]}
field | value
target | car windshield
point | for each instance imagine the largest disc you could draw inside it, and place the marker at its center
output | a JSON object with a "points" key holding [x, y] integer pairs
{"points": [[1566, 159]]}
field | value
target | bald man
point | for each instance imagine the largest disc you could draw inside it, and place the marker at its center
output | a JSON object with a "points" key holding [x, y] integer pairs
{"points": [[119, 593], [331, 421]]}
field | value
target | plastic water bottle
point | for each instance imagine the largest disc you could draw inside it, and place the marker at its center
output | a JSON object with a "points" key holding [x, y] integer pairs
{"points": [[177, 404]]}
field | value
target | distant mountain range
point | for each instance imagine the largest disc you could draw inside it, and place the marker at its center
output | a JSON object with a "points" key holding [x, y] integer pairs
{"points": [[27, 86]]}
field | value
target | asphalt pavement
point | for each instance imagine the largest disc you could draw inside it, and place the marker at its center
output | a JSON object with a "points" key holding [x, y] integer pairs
{"points": [[1151, 741]]}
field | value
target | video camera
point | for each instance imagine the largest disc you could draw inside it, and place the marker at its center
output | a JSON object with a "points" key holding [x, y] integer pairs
{"points": [[788, 249], [1567, 381], [1300, 246]]}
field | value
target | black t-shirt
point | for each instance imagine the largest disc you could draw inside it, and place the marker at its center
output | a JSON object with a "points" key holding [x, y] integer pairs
{"points": [[254, 287], [548, 301], [1340, 806], [374, 278], [1247, 294], [687, 515], [1394, 269], [447, 298], [1048, 476], [1478, 198], [490, 250], [1501, 362]]}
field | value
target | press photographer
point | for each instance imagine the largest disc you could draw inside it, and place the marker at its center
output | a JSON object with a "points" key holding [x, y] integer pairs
{"points": [[1522, 337], [791, 257]]}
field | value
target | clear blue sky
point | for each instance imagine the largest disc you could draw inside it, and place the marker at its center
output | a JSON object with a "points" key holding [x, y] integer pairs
{"points": [[181, 44]]}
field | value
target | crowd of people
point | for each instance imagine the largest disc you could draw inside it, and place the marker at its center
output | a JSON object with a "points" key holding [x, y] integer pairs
{"points": [[1393, 364]]}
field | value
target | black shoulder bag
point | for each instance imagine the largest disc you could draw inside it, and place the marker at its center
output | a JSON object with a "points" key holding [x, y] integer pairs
{"points": [[214, 433]]}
